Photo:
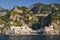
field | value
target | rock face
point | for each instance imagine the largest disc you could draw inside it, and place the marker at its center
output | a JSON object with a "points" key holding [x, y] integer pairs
{"points": [[2, 12], [54, 28], [19, 10], [23, 30], [22, 20]]}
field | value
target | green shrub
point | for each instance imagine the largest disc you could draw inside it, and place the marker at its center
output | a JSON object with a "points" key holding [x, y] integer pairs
{"points": [[16, 23]]}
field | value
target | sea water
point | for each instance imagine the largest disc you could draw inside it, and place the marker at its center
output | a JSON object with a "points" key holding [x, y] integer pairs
{"points": [[29, 37]]}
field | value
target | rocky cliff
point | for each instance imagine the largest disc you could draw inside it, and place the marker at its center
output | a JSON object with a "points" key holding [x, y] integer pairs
{"points": [[36, 17]]}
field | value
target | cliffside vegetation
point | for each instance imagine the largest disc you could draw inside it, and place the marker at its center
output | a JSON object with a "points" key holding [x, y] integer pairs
{"points": [[23, 15]]}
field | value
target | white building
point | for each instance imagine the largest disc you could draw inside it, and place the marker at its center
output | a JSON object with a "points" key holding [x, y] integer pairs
{"points": [[49, 29], [15, 30], [21, 30]]}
